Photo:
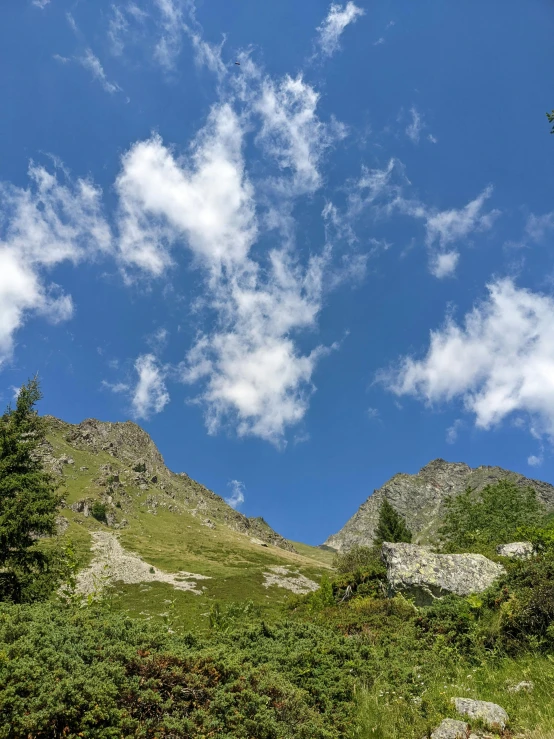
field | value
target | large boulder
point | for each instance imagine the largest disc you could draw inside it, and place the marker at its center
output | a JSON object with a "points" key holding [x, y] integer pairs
{"points": [[419, 572]]}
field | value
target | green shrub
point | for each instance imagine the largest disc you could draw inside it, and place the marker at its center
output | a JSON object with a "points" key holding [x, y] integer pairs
{"points": [[356, 558], [89, 672], [480, 521], [391, 525], [99, 511]]}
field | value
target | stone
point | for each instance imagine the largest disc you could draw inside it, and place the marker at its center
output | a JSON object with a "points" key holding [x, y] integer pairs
{"points": [[83, 469], [419, 572], [492, 715], [61, 525], [66, 459], [516, 550], [526, 686], [449, 728]]}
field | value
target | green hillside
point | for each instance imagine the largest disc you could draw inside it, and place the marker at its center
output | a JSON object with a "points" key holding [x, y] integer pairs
{"points": [[172, 523]]}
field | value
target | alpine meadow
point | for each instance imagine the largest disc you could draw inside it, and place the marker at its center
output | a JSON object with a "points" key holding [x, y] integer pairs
{"points": [[277, 370]]}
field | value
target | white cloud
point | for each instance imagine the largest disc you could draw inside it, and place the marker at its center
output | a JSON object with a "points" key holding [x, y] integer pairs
{"points": [[92, 63], [415, 127], [449, 226], [373, 413], [253, 373], [40, 227], [432, 139], [380, 41], [499, 362], [452, 431], [292, 133], [237, 494], [150, 393], [338, 18], [537, 227], [40, 3], [207, 201], [534, 461], [444, 264], [168, 47], [116, 387]]}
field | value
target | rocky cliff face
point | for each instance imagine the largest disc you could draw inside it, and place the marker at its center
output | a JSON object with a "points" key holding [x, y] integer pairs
{"points": [[127, 460], [420, 499]]}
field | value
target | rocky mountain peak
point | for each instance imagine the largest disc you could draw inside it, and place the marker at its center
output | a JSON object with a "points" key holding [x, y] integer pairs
{"points": [[420, 499]]}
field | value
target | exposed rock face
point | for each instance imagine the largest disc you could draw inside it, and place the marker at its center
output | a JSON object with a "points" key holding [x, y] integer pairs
{"points": [[420, 573], [493, 715], [138, 463], [516, 550], [420, 499]]}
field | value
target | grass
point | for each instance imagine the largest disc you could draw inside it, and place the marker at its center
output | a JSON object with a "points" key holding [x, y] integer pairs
{"points": [[388, 713], [176, 541]]}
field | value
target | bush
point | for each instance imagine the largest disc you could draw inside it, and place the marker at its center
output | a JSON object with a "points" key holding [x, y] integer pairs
{"points": [[99, 511], [72, 672], [356, 558], [494, 516]]}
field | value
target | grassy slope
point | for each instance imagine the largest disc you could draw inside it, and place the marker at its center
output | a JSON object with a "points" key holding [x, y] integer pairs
{"points": [[175, 541]]}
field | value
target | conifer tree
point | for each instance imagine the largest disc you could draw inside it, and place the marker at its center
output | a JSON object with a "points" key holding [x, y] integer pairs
{"points": [[28, 502], [391, 525]]}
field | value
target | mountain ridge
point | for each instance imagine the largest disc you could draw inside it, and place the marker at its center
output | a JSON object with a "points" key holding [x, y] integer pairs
{"points": [[420, 499]]}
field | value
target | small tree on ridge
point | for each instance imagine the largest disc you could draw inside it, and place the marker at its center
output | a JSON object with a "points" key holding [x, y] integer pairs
{"points": [[391, 525]]}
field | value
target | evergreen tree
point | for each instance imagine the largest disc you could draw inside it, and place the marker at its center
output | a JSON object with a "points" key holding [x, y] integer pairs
{"points": [[28, 502], [391, 525]]}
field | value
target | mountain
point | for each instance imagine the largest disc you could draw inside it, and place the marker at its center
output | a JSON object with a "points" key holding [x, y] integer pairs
{"points": [[420, 499], [159, 536]]}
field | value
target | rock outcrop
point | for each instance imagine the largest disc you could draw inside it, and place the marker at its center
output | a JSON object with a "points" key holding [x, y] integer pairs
{"points": [[450, 728], [492, 715], [420, 499], [137, 464], [516, 550], [424, 575]]}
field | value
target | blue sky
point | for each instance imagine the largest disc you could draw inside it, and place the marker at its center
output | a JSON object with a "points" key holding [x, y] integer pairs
{"points": [[300, 274]]}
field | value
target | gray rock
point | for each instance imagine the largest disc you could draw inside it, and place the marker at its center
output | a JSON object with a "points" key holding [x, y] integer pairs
{"points": [[61, 525], [449, 728], [516, 550], [420, 499], [419, 572], [493, 715], [83, 469], [526, 686], [82, 506], [65, 459]]}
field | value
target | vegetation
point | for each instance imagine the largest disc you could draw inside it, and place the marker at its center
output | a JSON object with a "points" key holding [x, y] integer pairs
{"points": [[242, 660], [28, 503], [550, 117], [98, 511], [391, 526], [479, 522]]}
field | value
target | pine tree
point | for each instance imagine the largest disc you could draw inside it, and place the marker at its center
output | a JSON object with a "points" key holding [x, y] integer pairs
{"points": [[28, 502], [391, 525]]}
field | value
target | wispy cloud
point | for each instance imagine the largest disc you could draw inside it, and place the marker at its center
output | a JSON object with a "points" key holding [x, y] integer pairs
{"points": [[237, 494], [91, 62], [40, 3], [534, 461], [332, 28], [416, 125], [150, 394], [500, 362], [453, 431]]}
